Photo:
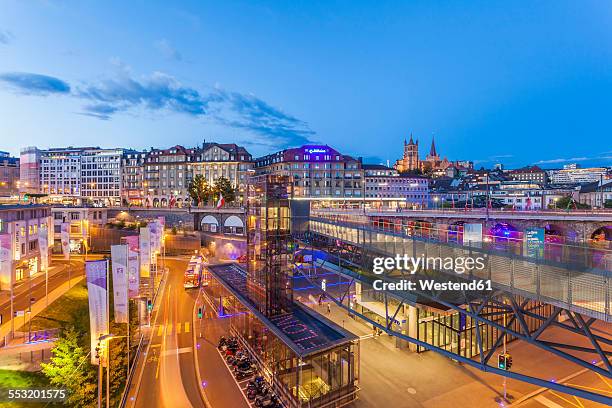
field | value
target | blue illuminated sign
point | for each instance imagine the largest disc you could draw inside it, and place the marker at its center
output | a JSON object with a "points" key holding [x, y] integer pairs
{"points": [[312, 150]]}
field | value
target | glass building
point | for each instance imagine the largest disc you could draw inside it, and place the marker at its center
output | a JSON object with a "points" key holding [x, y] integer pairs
{"points": [[309, 360]]}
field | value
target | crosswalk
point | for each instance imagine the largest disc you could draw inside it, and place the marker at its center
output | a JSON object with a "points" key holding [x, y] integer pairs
{"points": [[172, 328]]}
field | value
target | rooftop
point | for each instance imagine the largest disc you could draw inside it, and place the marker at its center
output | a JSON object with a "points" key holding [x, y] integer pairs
{"points": [[303, 331]]}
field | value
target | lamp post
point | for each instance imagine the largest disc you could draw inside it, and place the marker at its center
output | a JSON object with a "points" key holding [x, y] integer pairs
{"points": [[106, 338]]}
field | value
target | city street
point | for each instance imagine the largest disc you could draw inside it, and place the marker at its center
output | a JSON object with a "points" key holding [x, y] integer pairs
{"points": [[25, 292], [168, 378]]}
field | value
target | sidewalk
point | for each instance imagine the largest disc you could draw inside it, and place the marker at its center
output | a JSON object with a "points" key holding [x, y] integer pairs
{"points": [[219, 385], [428, 379]]}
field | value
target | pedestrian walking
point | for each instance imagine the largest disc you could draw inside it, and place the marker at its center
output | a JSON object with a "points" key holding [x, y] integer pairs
{"points": [[328, 308]]}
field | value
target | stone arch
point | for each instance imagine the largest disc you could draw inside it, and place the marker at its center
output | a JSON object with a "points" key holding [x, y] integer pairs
{"points": [[601, 234], [156, 202], [163, 202], [233, 225], [209, 223], [559, 233]]}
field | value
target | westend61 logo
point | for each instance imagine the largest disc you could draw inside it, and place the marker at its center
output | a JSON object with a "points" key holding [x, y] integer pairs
{"points": [[411, 265]]}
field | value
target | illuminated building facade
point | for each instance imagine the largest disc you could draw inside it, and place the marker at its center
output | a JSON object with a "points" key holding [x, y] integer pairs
{"points": [[317, 171], [20, 227], [168, 172], [73, 174]]}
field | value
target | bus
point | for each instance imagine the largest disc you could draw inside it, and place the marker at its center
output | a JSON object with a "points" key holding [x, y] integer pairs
{"points": [[193, 274]]}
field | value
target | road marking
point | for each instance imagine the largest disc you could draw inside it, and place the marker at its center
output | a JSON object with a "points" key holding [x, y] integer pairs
{"points": [[546, 402], [178, 351], [186, 327], [579, 405]]}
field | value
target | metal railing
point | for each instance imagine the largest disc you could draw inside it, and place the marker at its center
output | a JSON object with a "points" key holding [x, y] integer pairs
{"points": [[577, 286], [587, 254]]}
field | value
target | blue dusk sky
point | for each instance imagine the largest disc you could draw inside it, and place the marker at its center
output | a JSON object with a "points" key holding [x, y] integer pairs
{"points": [[495, 81]]}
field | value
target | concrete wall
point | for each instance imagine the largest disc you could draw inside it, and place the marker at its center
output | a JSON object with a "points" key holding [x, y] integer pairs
{"points": [[178, 217]]}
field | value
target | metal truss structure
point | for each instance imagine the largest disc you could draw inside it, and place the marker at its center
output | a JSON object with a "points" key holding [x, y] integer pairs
{"points": [[484, 308]]}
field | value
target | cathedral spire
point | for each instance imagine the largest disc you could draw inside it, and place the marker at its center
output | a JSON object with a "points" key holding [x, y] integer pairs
{"points": [[411, 141], [432, 151]]}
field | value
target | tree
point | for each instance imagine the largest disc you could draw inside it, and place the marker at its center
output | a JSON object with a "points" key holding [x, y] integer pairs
{"points": [[568, 203], [608, 203], [224, 187], [199, 190], [70, 368]]}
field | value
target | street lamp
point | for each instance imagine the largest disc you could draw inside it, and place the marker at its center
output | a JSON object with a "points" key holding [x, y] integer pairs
{"points": [[106, 338]]}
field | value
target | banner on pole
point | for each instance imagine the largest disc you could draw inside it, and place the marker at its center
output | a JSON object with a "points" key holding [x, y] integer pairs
{"points": [[43, 244], [145, 252], [119, 258], [133, 266], [6, 261], [65, 236], [97, 286]]}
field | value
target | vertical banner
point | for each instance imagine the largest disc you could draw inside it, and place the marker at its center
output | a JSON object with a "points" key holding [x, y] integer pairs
{"points": [[472, 234], [19, 237], [145, 252], [43, 245], [65, 235], [133, 266], [154, 231], [162, 227], [534, 242], [6, 261], [97, 286], [119, 258]]}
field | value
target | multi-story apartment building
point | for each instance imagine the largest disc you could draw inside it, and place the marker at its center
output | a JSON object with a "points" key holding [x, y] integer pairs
{"points": [[167, 173], [132, 178], [81, 174], [529, 173], [317, 171], [384, 186], [9, 175], [20, 229], [101, 176], [231, 161], [166, 176]]}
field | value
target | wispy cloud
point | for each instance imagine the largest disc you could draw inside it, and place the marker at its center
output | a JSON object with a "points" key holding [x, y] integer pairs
{"points": [[168, 50], [6, 37], [34, 84], [256, 116], [268, 125], [158, 91]]}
